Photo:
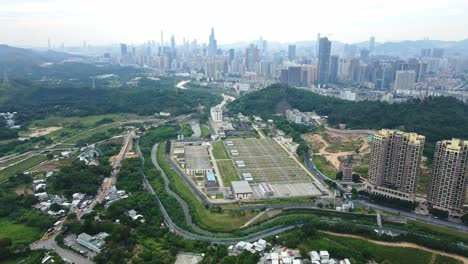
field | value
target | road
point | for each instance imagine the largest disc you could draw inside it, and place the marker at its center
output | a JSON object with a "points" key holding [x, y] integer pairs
{"points": [[195, 124], [106, 186], [181, 84], [186, 234], [408, 215], [417, 217], [65, 254]]}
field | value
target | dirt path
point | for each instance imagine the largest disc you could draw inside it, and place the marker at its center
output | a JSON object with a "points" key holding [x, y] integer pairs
{"points": [[401, 244], [333, 157], [43, 131]]}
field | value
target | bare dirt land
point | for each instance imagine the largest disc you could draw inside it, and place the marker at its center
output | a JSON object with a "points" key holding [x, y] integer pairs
{"points": [[335, 146], [38, 132]]}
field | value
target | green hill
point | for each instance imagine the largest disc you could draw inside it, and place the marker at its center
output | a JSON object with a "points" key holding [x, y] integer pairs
{"points": [[437, 118]]}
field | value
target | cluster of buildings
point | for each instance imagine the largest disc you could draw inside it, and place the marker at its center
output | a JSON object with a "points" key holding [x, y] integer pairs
{"points": [[298, 117], [256, 247], [193, 156], [10, 122], [287, 257], [90, 155], [394, 165]]}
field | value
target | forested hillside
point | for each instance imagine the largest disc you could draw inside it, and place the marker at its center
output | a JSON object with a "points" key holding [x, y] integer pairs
{"points": [[436, 118]]}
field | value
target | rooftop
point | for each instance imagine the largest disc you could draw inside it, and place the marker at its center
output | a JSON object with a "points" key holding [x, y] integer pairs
{"points": [[197, 158], [241, 187]]}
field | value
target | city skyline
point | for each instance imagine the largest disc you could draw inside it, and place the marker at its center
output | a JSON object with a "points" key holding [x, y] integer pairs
{"points": [[32, 23]]}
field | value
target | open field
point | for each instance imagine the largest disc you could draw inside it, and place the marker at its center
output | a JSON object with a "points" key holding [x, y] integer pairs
{"points": [[382, 252], [219, 151], [21, 235], [324, 166], [267, 161], [228, 171], [32, 257], [13, 161], [205, 131], [76, 121], [21, 166], [103, 129], [439, 229]]}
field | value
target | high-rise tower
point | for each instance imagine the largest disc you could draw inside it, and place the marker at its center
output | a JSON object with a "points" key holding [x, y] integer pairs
{"points": [[394, 164], [449, 176], [212, 45], [324, 60]]}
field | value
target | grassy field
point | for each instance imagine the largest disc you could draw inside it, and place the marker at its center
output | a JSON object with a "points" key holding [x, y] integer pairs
{"points": [[86, 121], [103, 129], [219, 151], [21, 166], [223, 222], [360, 250], [439, 229], [346, 146], [15, 160], [32, 257], [205, 131], [21, 235], [228, 172], [322, 164]]}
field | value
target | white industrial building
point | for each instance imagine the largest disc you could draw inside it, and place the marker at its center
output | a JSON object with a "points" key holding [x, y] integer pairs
{"points": [[241, 189], [94, 243]]}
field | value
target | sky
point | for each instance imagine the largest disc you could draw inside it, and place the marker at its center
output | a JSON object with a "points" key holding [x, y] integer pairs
{"points": [[29, 23]]}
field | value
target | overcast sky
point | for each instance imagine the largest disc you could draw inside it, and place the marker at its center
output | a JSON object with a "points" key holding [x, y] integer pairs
{"points": [[31, 22]]}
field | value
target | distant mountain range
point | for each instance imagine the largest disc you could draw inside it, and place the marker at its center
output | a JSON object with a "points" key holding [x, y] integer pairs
{"points": [[18, 60]]}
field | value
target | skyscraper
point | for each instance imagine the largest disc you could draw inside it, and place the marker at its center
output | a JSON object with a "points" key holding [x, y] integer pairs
{"points": [[372, 44], [173, 45], [449, 174], [324, 60], [333, 69], [212, 45], [317, 43], [49, 45], [231, 55], [292, 52], [251, 57], [394, 164], [123, 53]]}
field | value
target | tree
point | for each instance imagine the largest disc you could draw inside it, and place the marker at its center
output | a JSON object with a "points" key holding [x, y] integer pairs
{"points": [[339, 175], [439, 213], [464, 218], [55, 207], [302, 150]]}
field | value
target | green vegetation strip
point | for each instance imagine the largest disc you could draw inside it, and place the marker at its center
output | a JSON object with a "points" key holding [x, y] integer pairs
{"points": [[221, 222], [228, 172], [21, 166], [21, 235], [323, 165], [219, 151], [205, 131]]}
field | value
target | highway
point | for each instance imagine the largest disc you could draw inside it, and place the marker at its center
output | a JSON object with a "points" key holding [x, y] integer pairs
{"points": [[406, 214]]}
